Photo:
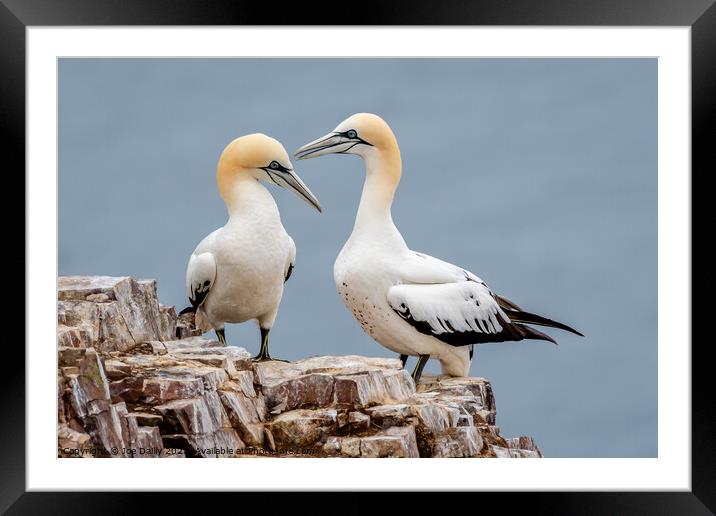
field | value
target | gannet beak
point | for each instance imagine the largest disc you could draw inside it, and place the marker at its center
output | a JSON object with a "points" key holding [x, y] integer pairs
{"points": [[332, 143], [290, 181]]}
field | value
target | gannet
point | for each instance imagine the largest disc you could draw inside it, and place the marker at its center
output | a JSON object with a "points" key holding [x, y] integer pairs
{"points": [[237, 272], [409, 302]]}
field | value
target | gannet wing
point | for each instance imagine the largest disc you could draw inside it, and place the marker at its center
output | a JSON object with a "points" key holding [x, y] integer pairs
{"points": [[291, 260], [423, 268], [458, 313], [201, 271], [457, 307], [200, 275]]}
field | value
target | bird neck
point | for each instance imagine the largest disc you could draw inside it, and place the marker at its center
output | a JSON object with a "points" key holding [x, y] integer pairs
{"points": [[245, 197], [382, 175]]}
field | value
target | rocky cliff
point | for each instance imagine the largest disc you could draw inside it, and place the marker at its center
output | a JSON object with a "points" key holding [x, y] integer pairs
{"points": [[135, 380]]}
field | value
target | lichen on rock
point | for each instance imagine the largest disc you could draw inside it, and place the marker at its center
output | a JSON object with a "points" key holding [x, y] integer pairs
{"points": [[136, 380]]}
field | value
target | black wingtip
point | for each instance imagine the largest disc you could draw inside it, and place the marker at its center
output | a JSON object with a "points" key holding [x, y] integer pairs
{"points": [[531, 333], [188, 310], [529, 318]]}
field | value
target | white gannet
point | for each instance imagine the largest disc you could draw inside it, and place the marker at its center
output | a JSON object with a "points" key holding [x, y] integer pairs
{"points": [[237, 272], [410, 302]]}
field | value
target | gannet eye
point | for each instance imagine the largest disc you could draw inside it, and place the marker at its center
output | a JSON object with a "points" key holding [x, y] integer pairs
{"points": [[351, 134], [274, 165]]}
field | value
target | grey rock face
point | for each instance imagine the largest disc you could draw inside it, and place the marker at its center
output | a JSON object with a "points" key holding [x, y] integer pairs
{"points": [[136, 381]]}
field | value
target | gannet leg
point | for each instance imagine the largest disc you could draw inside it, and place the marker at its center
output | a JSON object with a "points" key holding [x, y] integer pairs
{"points": [[418, 371], [264, 353], [404, 359], [221, 336]]}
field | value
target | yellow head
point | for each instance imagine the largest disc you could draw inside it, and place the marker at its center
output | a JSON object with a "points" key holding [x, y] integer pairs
{"points": [[363, 134], [262, 158]]}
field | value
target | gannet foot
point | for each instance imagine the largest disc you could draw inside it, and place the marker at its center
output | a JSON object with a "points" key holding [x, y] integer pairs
{"points": [[221, 336], [418, 371], [403, 359], [263, 355], [267, 358]]}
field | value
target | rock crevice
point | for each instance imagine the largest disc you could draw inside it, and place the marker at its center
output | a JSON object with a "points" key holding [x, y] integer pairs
{"points": [[136, 380]]}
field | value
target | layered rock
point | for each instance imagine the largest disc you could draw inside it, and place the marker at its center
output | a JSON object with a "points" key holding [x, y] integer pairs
{"points": [[134, 380]]}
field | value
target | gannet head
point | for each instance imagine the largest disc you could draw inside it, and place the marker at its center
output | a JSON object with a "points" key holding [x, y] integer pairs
{"points": [[265, 159], [363, 134]]}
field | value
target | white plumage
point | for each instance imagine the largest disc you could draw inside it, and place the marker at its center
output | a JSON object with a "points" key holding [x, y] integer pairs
{"points": [[449, 307], [407, 301], [237, 272]]}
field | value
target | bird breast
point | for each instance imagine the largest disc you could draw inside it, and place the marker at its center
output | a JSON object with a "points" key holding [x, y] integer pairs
{"points": [[362, 280], [250, 268]]}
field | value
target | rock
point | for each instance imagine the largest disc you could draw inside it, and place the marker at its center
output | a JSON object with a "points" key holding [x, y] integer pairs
{"points": [[149, 442], [436, 417], [524, 446], [97, 298], [186, 326], [136, 380], [386, 416], [167, 388], [154, 347], [90, 384], [373, 388], [110, 313], [246, 415], [116, 370], [146, 419], [200, 426], [74, 336], [242, 381], [358, 422], [69, 356], [71, 443], [167, 322], [305, 391], [189, 416], [463, 441], [302, 428], [129, 389], [393, 442], [191, 345]]}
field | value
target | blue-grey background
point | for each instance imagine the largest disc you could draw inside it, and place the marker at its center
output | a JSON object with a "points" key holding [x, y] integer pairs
{"points": [[539, 175]]}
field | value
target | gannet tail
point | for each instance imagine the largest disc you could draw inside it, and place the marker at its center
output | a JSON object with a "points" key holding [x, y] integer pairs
{"points": [[520, 316], [531, 333]]}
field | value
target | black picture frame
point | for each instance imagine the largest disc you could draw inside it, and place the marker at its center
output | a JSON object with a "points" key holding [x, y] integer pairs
{"points": [[700, 15]]}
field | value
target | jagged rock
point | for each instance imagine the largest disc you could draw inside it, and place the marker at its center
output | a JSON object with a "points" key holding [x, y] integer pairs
{"points": [[69, 356], [393, 442], [373, 388], [302, 428], [521, 447], [167, 388], [462, 441], [111, 313], [246, 415], [71, 443], [386, 416], [149, 442], [74, 336], [186, 326], [146, 419], [201, 426], [306, 391], [117, 370], [127, 386], [358, 422]]}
